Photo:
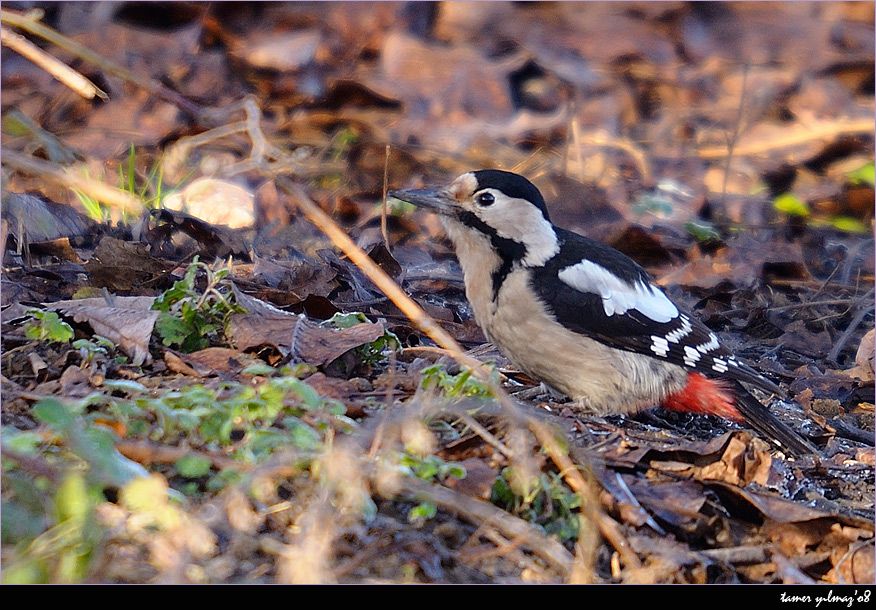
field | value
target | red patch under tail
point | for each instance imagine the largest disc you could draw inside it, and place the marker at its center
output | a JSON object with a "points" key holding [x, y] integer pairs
{"points": [[704, 395]]}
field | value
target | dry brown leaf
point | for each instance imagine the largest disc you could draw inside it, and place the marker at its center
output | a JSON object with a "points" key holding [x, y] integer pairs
{"points": [[34, 219], [124, 265], [213, 360], [74, 382], [126, 321], [306, 340], [176, 364], [863, 368]]}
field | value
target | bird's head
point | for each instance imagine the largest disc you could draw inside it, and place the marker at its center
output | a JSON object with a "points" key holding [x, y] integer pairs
{"points": [[501, 206]]}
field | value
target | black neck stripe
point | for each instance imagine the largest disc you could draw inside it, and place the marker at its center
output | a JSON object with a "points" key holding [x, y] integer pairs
{"points": [[509, 251]]}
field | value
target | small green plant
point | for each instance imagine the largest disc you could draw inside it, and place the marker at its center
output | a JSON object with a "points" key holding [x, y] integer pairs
{"points": [[547, 502], [193, 319], [461, 385], [150, 190], [256, 420], [47, 326], [49, 529], [95, 210], [97, 349], [428, 468], [370, 353]]}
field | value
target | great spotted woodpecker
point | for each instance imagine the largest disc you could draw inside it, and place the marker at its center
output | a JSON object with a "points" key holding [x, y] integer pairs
{"points": [[583, 317]]}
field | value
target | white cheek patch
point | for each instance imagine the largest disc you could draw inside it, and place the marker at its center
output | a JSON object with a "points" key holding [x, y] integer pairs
{"points": [[520, 221], [619, 296]]}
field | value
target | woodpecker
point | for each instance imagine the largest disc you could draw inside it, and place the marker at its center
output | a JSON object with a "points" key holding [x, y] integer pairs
{"points": [[583, 317]]}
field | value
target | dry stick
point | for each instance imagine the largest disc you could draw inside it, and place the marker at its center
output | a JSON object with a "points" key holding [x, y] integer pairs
{"points": [[30, 23], [66, 177], [485, 434], [731, 144], [61, 71], [818, 132], [847, 333], [609, 528], [383, 230]]}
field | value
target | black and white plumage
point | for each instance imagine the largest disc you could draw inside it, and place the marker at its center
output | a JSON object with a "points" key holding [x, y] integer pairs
{"points": [[582, 316]]}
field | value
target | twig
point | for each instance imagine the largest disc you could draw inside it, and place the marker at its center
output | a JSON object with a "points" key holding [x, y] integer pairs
{"points": [[738, 554], [29, 22], [731, 143], [61, 71], [816, 132], [478, 511], [383, 230], [66, 176], [485, 434], [850, 330]]}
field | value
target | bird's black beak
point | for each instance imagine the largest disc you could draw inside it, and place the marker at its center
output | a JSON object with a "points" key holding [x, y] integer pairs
{"points": [[438, 201]]}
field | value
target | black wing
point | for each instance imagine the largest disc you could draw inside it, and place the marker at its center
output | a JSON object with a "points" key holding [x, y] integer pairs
{"points": [[681, 340]]}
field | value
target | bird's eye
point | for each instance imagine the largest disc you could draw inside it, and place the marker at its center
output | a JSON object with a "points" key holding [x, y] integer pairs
{"points": [[485, 199]]}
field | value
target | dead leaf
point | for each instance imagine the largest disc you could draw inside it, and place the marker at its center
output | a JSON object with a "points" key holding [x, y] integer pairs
{"points": [[37, 364], [74, 382], [124, 265], [863, 368], [126, 321], [742, 462], [478, 481], [216, 241], [176, 364], [213, 360], [331, 387], [34, 219]]}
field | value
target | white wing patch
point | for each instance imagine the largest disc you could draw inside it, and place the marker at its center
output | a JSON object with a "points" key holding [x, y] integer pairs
{"points": [[619, 296], [691, 356], [660, 346]]}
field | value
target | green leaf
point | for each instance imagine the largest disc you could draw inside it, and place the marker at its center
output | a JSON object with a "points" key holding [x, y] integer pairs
{"points": [[261, 369], [47, 326], [54, 414], [457, 471], [849, 224], [23, 442], [866, 174], [72, 500], [790, 204], [347, 320], [193, 466], [125, 385], [702, 231], [17, 523], [422, 512]]}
